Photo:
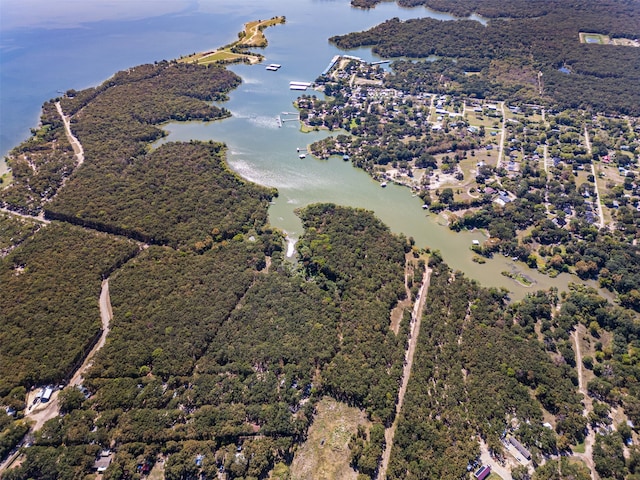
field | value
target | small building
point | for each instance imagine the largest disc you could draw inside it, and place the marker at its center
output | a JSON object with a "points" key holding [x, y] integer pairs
{"points": [[46, 394], [504, 198], [483, 472], [518, 446], [103, 461]]}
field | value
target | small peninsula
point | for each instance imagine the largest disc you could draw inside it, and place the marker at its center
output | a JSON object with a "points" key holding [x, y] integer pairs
{"points": [[251, 37]]}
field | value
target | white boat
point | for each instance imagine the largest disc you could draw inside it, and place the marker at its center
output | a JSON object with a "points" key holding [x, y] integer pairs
{"points": [[302, 155], [383, 184]]}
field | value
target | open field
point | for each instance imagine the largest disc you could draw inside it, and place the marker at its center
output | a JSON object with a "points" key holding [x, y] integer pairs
{"points": [[326, 454], [600, 39], [253, 32], [157, 472], [221, 56], [251, 37]]}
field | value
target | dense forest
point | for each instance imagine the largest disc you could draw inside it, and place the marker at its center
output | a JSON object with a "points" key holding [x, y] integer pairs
{"points": [[48, 302], [165, 198], [220, 349], [616, 17], [518, 58], [115, 122], [213, 350], [40, 165], [479, 373]]}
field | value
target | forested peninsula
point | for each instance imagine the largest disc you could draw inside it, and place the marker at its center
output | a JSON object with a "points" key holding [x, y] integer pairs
{"points": [[518, 53], [221, 352]]}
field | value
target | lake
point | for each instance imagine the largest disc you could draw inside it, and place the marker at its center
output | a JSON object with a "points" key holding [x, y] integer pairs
{"points": [[46, 57]]}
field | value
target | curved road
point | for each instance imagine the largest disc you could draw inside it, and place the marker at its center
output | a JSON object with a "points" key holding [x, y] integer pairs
{"points": [[43, 412], [416, 318], [75, 143], [106, 315]]}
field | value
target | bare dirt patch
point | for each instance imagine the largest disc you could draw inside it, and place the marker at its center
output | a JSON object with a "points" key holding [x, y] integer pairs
{"points": [[326, 453]]}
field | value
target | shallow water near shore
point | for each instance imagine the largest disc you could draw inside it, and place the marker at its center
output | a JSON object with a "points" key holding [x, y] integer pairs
{"points": [[78, 56]]}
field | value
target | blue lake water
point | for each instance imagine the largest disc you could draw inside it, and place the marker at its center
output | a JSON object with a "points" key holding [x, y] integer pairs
{"points": [[43, 54]]}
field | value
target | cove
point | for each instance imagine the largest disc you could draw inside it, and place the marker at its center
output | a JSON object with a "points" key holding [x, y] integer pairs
{"points": [[265, 153]]}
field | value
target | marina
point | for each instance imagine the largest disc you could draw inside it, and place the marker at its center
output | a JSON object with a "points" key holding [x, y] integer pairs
{"points": [[257, 149], [299, 85]]}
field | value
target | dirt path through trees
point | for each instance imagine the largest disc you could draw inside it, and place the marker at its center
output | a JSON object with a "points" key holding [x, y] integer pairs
{"points": [[106, 315], [40, 218], [414, 331], [43, 412], [587, 456], [75, 143], [503, 131]]}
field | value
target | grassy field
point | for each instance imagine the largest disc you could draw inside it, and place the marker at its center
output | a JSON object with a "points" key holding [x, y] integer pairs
{"points": [[157, 472], [220, 56], [326, 454], [252, 36], [593, 38], [7, 179], [579, 448]]}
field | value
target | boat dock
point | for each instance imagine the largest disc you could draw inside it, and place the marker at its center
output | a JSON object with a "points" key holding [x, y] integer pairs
{"points": [[380, 62], [299, 85], [281, 120], [332, 63]]}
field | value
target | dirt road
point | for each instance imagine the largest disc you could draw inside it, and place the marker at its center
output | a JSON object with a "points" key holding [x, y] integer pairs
{"points": [[42, 412], [416, 318], [40, 218], [587, 456], [503, 131], [487, 459], [75, 143], [106, 314]]}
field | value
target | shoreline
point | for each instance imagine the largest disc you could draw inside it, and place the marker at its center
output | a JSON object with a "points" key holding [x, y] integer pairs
{"points": [[237, 52]]}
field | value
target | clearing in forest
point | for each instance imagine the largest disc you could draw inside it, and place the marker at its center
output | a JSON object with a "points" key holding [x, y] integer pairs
{"points": [[326, 454], [598, 38]]}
